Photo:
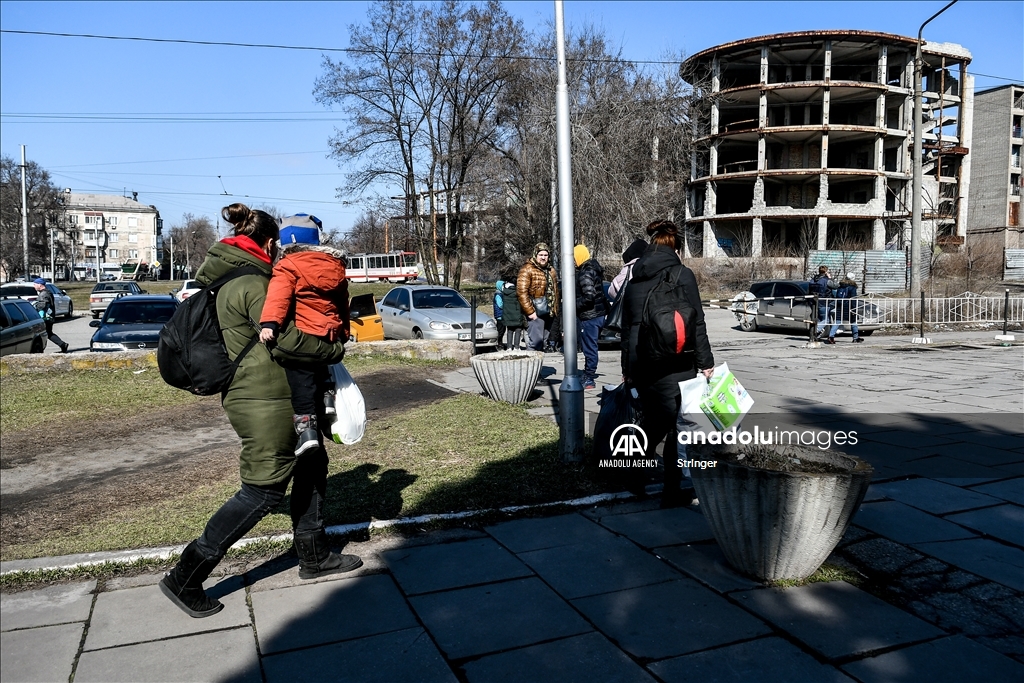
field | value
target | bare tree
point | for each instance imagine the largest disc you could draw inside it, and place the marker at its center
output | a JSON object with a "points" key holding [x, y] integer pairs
{"points": [[192, 237], [45, 211]]}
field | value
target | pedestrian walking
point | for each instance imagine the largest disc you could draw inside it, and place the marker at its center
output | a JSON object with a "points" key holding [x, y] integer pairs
{"points": [[846, 309], [657, 382], [47, 308], [537, 290], [591, 309], [305, 317], [258, 405]]}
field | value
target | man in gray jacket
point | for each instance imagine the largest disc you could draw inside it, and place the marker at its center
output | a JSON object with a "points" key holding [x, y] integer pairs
{"points": [[47, 306]]}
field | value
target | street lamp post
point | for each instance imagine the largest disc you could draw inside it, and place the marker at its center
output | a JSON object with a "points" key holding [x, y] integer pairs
{"points": [[915, 224]]}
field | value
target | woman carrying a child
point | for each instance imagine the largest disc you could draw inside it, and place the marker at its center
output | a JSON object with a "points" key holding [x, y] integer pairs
{"points": [[259, 406]]}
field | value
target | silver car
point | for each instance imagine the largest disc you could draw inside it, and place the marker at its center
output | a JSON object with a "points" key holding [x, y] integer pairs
{"points": [[65, 308], [430, 312]]}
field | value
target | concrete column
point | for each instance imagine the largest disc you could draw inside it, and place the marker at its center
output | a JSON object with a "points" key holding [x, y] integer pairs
{"points": [[710, 244], [756, 238], [764, 65], [828, 60], [883, 61], [822, 232], [878, 234], [966, 134], [713, 159]]}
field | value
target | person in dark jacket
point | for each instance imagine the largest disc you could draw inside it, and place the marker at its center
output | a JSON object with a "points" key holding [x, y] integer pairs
{"points": [[591, 308], [824, 286], [657, 384], [512, 314], [846, 309], [258, 405], [45, 304]]}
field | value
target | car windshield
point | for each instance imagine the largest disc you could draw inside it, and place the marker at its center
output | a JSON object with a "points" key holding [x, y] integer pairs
{"points": [[362, 305], [114, 287], [139, 312], [438, 298], [18, 290]]}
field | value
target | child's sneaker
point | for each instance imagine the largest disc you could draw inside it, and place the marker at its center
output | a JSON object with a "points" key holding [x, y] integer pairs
{"points": [[589, 383], [305, 427], [329, 402]]}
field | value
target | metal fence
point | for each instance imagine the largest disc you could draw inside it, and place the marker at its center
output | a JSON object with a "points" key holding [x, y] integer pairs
{"points": [[878, 271], [884, 311], [1013, 265]]}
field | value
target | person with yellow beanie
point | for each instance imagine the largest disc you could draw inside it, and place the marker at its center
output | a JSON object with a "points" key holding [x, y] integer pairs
{"points": [[591, 308]]}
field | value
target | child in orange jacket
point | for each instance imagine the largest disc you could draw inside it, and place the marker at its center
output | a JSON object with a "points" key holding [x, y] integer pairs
{"points": [[308, 286]]}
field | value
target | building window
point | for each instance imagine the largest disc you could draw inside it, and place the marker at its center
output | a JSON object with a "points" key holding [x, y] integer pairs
{"points": [[133, 222], [112, 237], [112, 221], [133, 237], [73, 219], [112, 253], [133, 253], [92, 220]]}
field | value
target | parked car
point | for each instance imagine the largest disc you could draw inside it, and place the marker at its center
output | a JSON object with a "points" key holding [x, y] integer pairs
{"points": [[365, 323], [418, 312], [26, 290], [21, 328], [105, 292], [188, 288], [752, 311], [132, 322]]}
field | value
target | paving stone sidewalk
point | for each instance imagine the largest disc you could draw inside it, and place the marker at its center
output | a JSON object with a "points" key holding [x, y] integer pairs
{"points": [[628, 592]]}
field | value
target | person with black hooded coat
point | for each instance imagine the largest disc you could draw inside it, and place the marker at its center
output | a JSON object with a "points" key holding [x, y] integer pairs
{"points": [[657, 384]]}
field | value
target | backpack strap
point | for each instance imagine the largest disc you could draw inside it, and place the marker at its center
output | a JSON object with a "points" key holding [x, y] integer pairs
{"points": [[216, 285]]}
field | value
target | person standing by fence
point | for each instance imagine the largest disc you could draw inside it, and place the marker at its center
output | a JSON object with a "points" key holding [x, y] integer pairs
{"points": [[846, 309], [822, 285]]}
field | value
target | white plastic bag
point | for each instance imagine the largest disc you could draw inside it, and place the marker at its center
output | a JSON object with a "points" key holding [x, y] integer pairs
{"points": [[722, 400], [350, 422], [691, 412]]}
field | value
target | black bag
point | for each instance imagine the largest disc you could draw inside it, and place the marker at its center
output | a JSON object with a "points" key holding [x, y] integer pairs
{"points": [[191, 354], [618, 407], [613, 321], [669, 323]]}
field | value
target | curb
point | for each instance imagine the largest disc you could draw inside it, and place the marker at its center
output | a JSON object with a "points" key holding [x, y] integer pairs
{"points": [[125, 557]]}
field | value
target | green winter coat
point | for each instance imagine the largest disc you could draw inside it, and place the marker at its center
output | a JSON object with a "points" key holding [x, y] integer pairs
{"points": [[258, 404]]}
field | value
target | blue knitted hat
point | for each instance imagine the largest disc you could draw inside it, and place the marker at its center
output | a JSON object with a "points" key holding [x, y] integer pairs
{"points": [[302, 228]]}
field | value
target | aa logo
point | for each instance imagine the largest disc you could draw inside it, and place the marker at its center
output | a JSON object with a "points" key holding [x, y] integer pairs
{"points": [[629, 441]]}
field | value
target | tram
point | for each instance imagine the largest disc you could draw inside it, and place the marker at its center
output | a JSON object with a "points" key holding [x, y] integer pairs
{"points": [[395, 266]]}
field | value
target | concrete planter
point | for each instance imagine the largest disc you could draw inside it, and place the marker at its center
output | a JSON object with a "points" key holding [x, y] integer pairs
{"points": [[508, 376], [778, 525]]}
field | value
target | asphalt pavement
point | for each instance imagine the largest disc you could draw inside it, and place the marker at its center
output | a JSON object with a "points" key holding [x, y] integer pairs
{"points": [[625, 591]]}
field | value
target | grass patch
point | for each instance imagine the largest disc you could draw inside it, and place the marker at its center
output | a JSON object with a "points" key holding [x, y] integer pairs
{"points": [[31, 400], [825, 573], [460, 453]]}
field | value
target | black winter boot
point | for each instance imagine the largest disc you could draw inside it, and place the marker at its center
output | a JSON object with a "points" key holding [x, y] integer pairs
{"points": [[316, 558], [306, 428], [184, 584]]}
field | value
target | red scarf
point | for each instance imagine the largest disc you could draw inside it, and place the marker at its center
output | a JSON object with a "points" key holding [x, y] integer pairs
{"points": [[248, 245]]}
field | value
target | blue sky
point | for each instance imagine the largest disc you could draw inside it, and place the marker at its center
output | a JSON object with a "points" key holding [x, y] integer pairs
{"points": [[175, 165]]}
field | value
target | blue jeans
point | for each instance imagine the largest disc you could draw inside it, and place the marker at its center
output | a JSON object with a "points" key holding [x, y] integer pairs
{"points": [[824, 310], [246, 508], [589, 331]]}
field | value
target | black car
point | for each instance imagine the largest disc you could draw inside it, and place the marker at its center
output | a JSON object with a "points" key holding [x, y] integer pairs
{"points": [[21, 328], [132, 322]]}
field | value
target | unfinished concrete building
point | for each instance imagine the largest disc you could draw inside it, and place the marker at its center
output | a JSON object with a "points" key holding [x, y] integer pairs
{"points": [[805, 141], [994, 215]]}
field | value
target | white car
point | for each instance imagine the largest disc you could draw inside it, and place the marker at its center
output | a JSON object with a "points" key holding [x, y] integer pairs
{"points": [[27, 291], [432, 312], [188, 288]]}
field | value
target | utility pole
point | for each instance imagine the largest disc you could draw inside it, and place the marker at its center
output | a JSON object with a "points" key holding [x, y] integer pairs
{"points": [[915, 222], [24, 211], [570, 401]]}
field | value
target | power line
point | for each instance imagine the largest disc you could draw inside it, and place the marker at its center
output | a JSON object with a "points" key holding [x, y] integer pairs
{"points": [[161, 161]]}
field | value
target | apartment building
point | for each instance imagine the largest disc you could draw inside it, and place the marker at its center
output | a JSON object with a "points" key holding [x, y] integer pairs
{"points": [[805, 141], [121, 228], [996, 167]]}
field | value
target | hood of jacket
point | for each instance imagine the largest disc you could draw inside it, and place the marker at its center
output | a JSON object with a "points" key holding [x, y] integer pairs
{"points": [[655, 261], [224, 257], [499, 285], [634, 250], [319, 269]]}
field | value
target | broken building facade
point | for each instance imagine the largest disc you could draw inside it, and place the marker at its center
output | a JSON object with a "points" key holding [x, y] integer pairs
{"points": [[805, 141]]}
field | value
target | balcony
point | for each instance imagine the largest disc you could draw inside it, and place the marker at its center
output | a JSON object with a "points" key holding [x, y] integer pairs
{"points": [[1016, 131]]}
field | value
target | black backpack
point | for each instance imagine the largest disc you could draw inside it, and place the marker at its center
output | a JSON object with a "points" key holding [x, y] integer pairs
{"points": [[192, 354], [668, 325]]}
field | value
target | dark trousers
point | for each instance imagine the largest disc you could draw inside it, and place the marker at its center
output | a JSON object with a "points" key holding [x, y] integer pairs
{"points": [[246, 508], [660, 412], [501, 330], [308, 384], [50, 335], [589, 330]]}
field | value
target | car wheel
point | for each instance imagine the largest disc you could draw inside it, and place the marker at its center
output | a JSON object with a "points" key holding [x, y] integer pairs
{"points": [[38, 345], [748, 323], [71, 311], [417, 333]]}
